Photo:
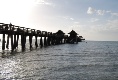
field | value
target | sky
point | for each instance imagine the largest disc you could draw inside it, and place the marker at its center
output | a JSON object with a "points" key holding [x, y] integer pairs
{"points": [[92, 19]]}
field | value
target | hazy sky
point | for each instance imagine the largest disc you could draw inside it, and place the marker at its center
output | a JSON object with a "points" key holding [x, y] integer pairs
{"points": [[93, 19]]}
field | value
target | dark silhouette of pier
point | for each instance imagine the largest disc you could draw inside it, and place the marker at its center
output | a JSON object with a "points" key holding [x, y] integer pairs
{"points": [[14, 32]]}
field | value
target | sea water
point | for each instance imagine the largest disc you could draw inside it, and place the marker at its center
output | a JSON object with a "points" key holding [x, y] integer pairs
{"points": [[89, 60]]}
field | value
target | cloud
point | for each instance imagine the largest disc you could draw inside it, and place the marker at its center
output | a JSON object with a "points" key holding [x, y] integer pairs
{"points": [[43, 2], [108, 11], [112, 24], [100, 12], [69, 18], [90, 10], [109, 26], [94, 19], [114, 14]]}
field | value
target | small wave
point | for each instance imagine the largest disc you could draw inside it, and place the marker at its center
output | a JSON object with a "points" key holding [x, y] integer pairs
{"points": [[60, 55], [41, 54], [72, 53], [36, 60], [57, 49]]}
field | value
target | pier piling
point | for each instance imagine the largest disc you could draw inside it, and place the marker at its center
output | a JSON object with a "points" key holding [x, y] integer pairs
{"points": [[15, 43], [36, 44], [41, 42], [30, 41], [12, 47], [45, 41], [3, 42], [7, 45]]}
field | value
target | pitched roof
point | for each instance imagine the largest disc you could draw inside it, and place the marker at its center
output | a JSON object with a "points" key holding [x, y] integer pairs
{"points": [[72, 32]]}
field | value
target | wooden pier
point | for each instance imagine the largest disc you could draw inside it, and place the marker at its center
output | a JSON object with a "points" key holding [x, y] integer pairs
{"points": [[14, 32]]}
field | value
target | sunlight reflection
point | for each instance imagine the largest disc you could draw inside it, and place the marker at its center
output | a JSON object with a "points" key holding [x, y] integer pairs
{"points": [[9, 68]]}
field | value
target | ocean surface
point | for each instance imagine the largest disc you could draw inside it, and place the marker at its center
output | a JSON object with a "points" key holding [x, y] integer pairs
{"points": [[89, 60]]}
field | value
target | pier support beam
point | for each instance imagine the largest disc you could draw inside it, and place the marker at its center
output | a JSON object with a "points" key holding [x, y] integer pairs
{"points": [[12, 47], [41, 42], [45, 41], [23, 42], [36, 44], [30, 41], [17, 40], [52, 41], [48, 40], [3, 42], [61, 41], [7, 45], [64, 41], [15, 44]]}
